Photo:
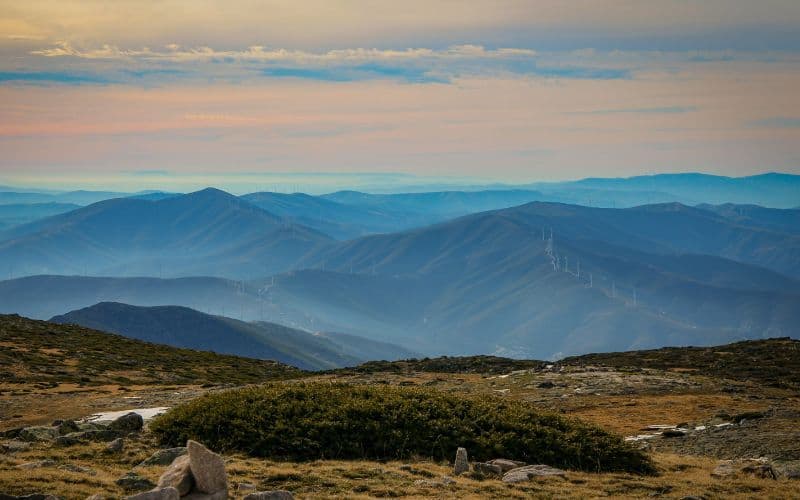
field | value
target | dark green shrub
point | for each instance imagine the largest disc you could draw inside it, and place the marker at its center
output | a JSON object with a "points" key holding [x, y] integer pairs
{"points": [[307, 421]]}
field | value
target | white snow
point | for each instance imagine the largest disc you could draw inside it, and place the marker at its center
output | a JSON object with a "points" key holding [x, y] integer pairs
{"points": [[146, 413]]}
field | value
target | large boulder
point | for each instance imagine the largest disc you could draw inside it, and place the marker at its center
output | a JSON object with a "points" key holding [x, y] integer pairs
{"points": [[505, 464], [487, 469], [208, 469], [38, 433], [156, 494], [178, 476], [529, 472], [461, 464], [130, 422]]}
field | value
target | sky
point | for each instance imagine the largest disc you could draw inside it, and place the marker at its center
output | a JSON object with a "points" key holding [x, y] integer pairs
{"points": [[174, 94]]}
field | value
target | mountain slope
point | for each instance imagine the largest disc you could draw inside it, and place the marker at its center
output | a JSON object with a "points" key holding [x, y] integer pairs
{"points": [[167, 236], [184, 327], [187, 328], [39, 351]]}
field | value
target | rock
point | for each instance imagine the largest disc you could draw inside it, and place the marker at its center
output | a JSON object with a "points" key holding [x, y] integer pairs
{"points": [[178, 476], [270, 495], [68, 440], [12, 433], [157, 494], [529, 472], [96, 496], [115, 446], [78, 469], [36, 465], [461, 464], [134, 482], [66, 427], [788, 470], [505, 464], [445, 481], [545, 385], [129, 422], [208, 469], [97, 435], [32, 496], [38, 434], [487, 469], [242, 487], [673, 433], [164, 457], [195, 495], [759, 467], [762, 470], [14, 446]]}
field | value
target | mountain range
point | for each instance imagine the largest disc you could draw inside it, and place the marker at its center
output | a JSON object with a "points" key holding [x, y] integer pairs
{"points": [[183, 327], [529, 279]]}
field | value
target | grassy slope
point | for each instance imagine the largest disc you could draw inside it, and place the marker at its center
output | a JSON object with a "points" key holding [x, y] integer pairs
{"points": [[40, 352]]}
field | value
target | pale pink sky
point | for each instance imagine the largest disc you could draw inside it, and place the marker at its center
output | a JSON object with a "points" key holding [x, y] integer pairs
{"points": [[106, 96]]}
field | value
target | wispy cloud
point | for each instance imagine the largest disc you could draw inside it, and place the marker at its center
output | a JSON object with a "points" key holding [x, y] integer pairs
{"points": [[647, 111], [777, 122], [43, 77]]}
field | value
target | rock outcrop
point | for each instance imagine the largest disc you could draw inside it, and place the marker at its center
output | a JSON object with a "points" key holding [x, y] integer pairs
{"points": [[461, 464]]}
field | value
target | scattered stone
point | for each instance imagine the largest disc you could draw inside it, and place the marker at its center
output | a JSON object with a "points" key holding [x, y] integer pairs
{"points": [[78, 469], [99, 435], [68, 440], [178, 476], [38, 434], [487, 469], [759, 467], [164, 457], [673, 433], [66, 427], [444, 481], [32, 496], [14, 446], [762, 470], [157, 494], [242, 487], [505, 464], [461, 464], [270, 495], [130, 422], [208, 469], [115, 446], [134, 482], [529, 472], [36, 465]]}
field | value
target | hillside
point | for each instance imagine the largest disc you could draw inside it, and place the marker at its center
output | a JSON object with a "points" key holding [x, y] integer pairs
{"points": [[47, 353], [611, 280], [140, 237], [184, 327]]}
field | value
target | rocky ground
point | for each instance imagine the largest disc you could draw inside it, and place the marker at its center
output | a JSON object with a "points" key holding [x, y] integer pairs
{"points": [[704, 433]]}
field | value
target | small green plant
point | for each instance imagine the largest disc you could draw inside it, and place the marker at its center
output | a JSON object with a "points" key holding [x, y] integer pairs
{"points": [[308, 421]]}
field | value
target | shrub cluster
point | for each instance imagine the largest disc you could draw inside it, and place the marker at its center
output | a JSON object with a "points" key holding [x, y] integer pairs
{"points": [[307, 421]]}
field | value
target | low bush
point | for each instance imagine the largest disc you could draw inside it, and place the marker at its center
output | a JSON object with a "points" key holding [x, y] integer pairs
{"points": [[308, 421]]}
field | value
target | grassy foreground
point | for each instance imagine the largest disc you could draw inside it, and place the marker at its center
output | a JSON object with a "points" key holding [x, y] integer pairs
{"points": [[308, 421]]}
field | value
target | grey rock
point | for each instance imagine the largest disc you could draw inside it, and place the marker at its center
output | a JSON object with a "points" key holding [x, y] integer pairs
{"points": [[164, 457], [134, 482], [270, 495], [178, 476], [156, 494], [32, 496], [461, 464], [673, 433], [196, 495], [115, 446], [487, 469], [79, 469], [759, 467], [38, 434], [100, 435], [505, 464], [11, 433], [430, 483], [96, 496], [36, 465], [14, 446], [208, 469], [130, 422], [529, 472], [242, 487], [788, 470], [67, 426]]}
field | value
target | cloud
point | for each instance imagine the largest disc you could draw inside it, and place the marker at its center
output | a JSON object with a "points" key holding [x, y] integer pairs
{"points": [[654, 110], [776, 122], [50, 77]]}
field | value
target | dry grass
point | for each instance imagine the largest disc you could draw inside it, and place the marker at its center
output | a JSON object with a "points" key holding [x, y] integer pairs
{"points": [[681, 476]]}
